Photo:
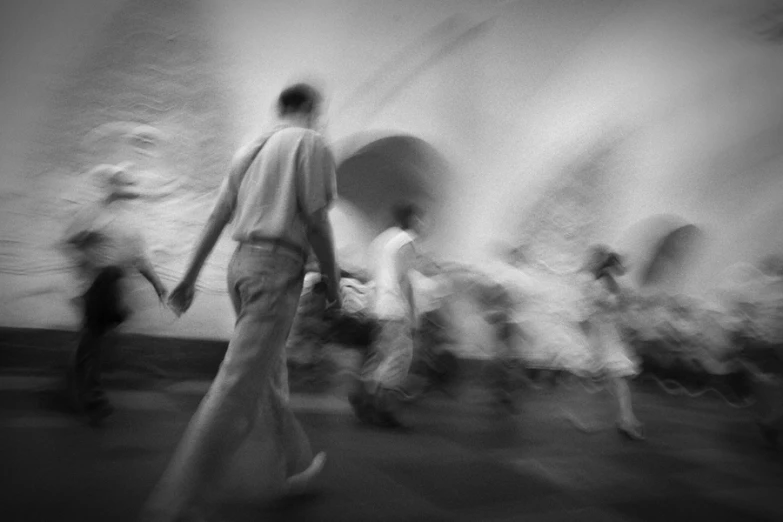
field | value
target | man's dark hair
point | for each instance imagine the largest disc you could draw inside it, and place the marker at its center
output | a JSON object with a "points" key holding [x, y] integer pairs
{"points": [[299, 98], [405, 214]]}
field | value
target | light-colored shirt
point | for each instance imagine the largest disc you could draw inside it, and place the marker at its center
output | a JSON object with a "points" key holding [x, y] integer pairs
{"points": [[390, 302], [292, 177], [103, 236]]}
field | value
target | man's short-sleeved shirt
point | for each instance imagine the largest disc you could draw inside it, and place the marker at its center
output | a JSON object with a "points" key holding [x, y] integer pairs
{"points": [[292, 177]]}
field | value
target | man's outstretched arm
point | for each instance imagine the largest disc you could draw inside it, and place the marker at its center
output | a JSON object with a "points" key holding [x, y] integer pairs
{"points": [[204, 246], [407, 260], [317, 190], [321, 238], [148, 271], [182, 296]]}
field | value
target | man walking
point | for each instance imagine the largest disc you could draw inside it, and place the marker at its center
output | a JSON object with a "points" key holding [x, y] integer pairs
{"points": [[278, 192]]}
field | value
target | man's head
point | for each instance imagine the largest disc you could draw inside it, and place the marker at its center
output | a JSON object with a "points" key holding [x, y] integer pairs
{"points": [[408, 217], [300, 101]]}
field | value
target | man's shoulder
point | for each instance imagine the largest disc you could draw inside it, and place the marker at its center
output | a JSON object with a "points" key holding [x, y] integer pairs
{"points": [[394, 238], [284, 135], [402, 236], [295, 132], [386, 235]]}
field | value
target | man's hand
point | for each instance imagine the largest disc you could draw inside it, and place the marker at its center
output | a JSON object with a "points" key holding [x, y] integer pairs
{"points": [[182, 297], [333, 299], [162, 292], [334, 306]]}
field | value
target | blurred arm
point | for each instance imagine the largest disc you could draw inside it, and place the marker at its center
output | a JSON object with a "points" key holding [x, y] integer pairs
{"points": [[148, 271], [407, 260], [321, 238], [222, 213], [317, 190]]}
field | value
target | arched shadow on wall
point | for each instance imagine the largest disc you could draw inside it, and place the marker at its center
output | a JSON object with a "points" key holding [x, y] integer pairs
{"points": [[377, 171], [663, 249]]}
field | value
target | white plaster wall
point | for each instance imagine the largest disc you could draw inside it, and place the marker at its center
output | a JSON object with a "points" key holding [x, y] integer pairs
{"points": [[510, 93]]}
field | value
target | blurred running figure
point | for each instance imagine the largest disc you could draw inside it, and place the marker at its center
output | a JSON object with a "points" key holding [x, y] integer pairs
{"points": [[611, 353], [392, 256], [762, 342], [106, 247], [278, 191]]}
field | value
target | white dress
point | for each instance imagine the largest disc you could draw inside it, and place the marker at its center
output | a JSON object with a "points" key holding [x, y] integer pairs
{"points": [[552, 312], [547, 313], [611, 354], [554, 338]]}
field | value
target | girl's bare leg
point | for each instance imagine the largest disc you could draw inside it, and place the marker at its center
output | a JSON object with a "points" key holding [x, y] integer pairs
{"points": [[627, 422]]}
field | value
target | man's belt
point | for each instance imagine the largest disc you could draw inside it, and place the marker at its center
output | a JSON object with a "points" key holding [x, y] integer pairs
{"points": [[276, 242]]}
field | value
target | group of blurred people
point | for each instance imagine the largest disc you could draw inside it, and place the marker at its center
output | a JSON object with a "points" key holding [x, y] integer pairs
{"points": [[593, 322], [278, 192], [609, 325], [408, 300], [756, 308]]}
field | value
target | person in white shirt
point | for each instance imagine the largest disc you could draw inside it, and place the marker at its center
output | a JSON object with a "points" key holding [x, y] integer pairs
{"points": [[106, 247], [393, 256]]}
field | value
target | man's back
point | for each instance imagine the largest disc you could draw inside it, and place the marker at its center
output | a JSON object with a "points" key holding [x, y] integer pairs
{"points": [[292, 176]]}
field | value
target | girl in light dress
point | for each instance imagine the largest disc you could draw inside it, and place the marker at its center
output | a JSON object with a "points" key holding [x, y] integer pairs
{"points": [[572, 324], [607, 301]]}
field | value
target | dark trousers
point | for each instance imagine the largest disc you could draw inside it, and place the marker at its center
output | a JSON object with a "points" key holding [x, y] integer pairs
{"points": [[103, 311], [85, 372]]}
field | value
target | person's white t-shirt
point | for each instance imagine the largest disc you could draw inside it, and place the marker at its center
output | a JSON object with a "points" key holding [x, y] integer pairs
{"points": [[390, 302]]}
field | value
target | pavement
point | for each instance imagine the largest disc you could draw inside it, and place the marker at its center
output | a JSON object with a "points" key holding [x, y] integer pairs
{"points": [[555, 458]]}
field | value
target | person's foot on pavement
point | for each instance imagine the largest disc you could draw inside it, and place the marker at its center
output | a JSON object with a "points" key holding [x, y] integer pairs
{"points": [[97, 412], [631, 430], [386, 419], [301, 483], [362, 408], [75, 401]]}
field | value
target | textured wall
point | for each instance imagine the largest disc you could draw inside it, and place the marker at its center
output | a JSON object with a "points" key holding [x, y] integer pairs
{"points": [[146, 93], [519, 100]]}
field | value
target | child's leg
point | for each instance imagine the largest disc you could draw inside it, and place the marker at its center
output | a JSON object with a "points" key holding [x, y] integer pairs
{"points": [[627, 423], [625, 414]]}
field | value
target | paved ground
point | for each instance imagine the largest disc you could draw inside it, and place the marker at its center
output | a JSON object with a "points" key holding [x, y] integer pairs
{"points": [[464, 460]]}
